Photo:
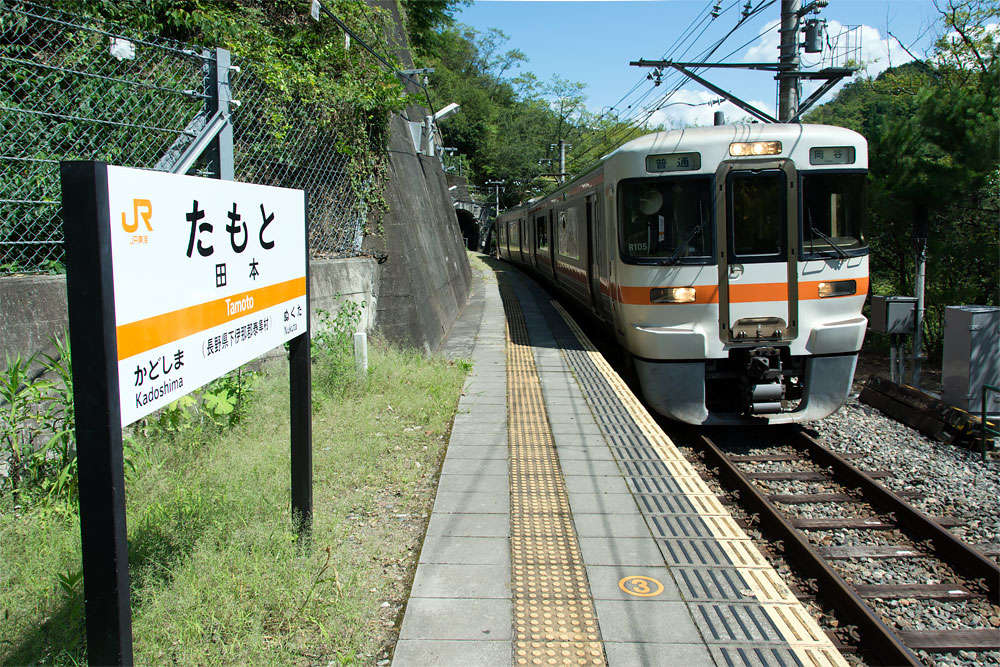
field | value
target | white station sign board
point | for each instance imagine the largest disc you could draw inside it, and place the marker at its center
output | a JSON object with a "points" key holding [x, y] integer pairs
{"points": [[207, 276]]}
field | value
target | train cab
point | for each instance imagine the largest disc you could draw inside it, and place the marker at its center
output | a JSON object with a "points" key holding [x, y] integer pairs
{"points": [[730, 262]]}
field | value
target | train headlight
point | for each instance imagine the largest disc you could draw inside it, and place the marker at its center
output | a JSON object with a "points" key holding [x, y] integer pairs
{"points": [[745, 148], [671, 295], [838, 288]]}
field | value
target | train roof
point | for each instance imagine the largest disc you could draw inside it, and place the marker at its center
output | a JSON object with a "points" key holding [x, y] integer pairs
{"points": [[712, 144], [720, 136]]}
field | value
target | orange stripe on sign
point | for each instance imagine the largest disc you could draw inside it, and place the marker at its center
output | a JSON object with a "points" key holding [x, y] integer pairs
{"points": [[138, 337], [750, 293]]}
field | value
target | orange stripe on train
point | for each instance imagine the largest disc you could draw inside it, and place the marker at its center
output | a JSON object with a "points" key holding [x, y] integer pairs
{"points": [[749, 293]]}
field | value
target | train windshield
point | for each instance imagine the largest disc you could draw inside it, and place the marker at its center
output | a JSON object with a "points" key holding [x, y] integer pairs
{"points": [[666, 220], [756, 214], [833, 211]]}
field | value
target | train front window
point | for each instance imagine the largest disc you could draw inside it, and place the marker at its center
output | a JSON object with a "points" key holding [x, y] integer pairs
{"points": [[667, 220], [833, 212], [756, 212]]}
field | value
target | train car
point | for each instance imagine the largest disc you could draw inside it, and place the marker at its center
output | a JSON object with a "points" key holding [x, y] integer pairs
{"points": [[729, 262]]}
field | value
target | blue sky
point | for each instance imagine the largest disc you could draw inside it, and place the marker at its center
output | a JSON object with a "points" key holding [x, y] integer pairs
{"points": [[593, 42]]}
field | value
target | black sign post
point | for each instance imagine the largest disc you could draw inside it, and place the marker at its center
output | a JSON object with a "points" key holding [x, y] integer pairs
{"points": [[300, 414], [93, 337], [90, 294]]}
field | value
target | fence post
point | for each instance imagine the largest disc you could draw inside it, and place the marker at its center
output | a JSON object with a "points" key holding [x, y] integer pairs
{"points": [[220, 95]]}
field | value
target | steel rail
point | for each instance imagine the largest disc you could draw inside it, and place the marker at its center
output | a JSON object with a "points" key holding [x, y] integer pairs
{"points": [[963, 557], [879, 641]]}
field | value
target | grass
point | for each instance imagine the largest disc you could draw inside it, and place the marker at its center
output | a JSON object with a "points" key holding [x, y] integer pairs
{"points": [[217, 573]]}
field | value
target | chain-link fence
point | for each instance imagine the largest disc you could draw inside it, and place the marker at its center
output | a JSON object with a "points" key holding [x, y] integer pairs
{"points": [[72, 87], [291, 149]]}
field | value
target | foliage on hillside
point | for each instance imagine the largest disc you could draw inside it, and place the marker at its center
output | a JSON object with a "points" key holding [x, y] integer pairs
{"points": [[298, 63], [932, 128], [510, 120]]}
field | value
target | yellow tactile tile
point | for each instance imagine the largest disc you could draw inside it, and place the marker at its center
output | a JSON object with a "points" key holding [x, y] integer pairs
{"points": [[554, 618]]}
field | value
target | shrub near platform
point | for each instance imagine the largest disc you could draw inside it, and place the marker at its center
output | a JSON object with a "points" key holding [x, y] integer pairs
{"points": [[217, 573]]}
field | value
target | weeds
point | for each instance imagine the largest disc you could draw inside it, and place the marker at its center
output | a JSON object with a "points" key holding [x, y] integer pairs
{"points": [[220, 405], [37, 424], [218, 576], [333, 347]]}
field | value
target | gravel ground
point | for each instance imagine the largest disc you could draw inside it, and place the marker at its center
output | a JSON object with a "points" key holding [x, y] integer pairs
{"points": [[892, 571], [780, 466], [790, 487], [937, 614], [827, 510], [955, 481], [854, 537]]}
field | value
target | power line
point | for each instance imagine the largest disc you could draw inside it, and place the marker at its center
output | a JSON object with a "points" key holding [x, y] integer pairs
{"points": [[623, 131], [649, 110]]}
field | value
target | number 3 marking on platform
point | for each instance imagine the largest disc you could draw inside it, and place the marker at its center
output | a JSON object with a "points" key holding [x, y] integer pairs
{"points": [[643, 587]]}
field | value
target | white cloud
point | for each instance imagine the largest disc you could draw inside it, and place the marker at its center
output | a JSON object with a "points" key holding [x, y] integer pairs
{"points": [[877, 53], [679, 113], [766, 48]]}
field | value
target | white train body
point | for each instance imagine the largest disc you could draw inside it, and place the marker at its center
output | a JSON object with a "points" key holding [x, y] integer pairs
{"points": [[728, 261]]}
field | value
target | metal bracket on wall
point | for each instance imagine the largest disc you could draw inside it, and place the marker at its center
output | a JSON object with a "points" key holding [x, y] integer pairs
{"points": [[211, 131]]}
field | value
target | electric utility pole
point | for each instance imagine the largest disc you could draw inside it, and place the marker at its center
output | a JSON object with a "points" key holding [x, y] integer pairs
{"points": [[787, 69], [562, 145], [498, 185], [788, 82]]}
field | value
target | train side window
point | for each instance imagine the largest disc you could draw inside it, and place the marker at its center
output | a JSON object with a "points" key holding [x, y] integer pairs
{"points": [[568, 234], [757, 211], [667, 220], [542, 233], [833, 212]]}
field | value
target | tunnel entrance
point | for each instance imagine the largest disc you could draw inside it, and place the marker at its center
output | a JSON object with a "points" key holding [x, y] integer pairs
{"points": [[470, 228]]}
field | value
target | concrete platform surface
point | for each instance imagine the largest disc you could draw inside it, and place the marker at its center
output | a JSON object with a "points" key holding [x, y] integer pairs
{"points": [[568, 529]]}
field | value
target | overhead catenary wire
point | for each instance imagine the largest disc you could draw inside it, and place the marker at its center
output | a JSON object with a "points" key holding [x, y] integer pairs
{"points": [[627, 127], [630, 124]]}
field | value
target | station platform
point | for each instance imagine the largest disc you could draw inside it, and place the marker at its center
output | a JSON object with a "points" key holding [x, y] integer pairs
{"points": [[568, 528]]}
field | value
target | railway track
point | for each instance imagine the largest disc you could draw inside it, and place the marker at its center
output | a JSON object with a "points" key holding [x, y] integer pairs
{"points": [[860, 504]]}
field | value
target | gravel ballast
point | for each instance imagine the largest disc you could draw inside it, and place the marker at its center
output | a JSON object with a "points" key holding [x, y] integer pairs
{"points": [[954, 481]]}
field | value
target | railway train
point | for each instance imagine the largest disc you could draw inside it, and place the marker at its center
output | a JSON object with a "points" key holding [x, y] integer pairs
{"points": [[728, 261]]}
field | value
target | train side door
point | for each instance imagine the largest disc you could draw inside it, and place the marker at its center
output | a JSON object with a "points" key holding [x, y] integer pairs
{"points": [[757, 252], [550, 221], [592, 287], [521, 233]]}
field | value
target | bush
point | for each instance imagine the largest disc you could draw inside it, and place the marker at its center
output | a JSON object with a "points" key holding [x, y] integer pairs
{"points": [[37, 427], [333, 348]]}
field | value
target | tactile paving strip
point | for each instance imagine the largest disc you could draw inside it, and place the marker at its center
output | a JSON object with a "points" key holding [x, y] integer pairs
{"points": [[554, 617], [740, 604]]}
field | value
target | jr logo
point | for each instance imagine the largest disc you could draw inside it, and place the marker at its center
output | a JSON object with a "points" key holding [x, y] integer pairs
{"points": [[141, 208]]}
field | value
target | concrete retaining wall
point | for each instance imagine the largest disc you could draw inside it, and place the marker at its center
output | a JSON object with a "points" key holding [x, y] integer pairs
{"points": [[33, 308], [426, 279]]}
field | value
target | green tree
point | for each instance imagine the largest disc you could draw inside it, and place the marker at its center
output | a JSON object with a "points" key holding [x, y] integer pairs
{"points": [[932, 129]]}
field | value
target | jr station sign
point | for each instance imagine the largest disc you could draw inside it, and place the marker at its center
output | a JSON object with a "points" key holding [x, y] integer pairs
{"points": [[172, 281], [207, 276]]}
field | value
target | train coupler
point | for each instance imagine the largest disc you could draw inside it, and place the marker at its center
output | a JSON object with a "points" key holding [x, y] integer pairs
{"points": [[765, 390]]}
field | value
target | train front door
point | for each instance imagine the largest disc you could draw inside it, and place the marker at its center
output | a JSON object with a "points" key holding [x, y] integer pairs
{"points": [[757, 251]]}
